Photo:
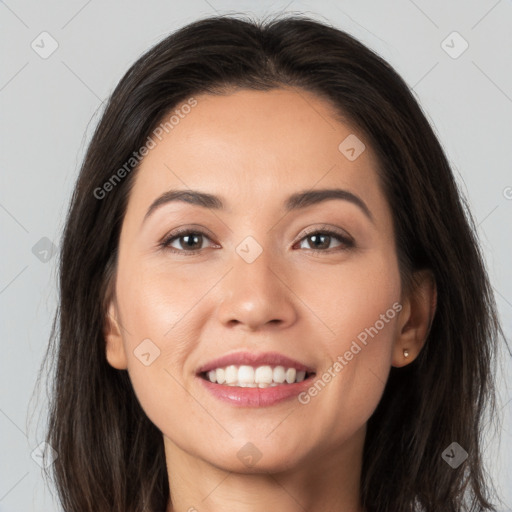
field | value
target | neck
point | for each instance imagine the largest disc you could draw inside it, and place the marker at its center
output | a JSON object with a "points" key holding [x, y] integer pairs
{"points": [[326, 482]]}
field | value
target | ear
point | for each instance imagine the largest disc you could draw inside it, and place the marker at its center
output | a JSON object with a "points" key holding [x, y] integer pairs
{"points": [[114, 348], [415, 318]]}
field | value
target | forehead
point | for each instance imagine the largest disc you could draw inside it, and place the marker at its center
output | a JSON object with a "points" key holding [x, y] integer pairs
{"points": [[254, 147]]}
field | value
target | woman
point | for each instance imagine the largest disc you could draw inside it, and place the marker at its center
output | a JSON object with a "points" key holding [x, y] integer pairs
{"points": [[271, 295]]}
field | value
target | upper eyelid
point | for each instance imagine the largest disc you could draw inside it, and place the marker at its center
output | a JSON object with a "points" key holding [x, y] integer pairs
{"points": [[330, 229], [187, 230]]}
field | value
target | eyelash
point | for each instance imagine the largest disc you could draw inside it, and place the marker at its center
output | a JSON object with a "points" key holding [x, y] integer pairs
{"points": [[347, 243]]}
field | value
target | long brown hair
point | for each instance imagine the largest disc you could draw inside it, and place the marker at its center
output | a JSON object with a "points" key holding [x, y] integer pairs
{"points": [[110, 455]]}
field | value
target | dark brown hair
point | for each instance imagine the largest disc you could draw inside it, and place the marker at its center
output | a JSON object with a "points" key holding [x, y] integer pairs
{"points": [[110, 455]]}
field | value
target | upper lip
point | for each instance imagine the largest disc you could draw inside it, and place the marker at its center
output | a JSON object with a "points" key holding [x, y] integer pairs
{"points": [[254, 359]]}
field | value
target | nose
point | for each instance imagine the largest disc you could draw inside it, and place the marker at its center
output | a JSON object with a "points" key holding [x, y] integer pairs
{"points": [[257, 295]]}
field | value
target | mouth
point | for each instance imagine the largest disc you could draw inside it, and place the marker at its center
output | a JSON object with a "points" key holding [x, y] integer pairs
{"points": [[262, 377], [255, 380]]}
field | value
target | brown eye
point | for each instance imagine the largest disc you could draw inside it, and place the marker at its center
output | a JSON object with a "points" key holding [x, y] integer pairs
{"points": [[321, 241], [185, 241], [192, 241]]}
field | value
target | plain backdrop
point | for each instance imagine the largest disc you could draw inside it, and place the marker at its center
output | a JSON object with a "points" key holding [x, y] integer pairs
{"points": [[52, 87]]}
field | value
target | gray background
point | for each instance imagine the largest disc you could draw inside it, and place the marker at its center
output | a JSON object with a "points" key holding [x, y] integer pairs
{"points": [[49, 107]]}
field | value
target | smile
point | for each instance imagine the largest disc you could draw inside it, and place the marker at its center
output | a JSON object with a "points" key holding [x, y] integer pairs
{"points": [[249, 377], [255, 380]]}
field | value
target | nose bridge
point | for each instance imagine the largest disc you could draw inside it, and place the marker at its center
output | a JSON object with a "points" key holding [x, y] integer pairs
{"points": [[253, 292]]}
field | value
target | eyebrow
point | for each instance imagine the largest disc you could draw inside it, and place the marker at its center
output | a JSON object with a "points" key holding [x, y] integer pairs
{"points": [[296, 201]]}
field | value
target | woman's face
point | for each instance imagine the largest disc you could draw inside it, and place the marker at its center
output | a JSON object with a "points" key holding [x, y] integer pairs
{"points": [[242, 282]]}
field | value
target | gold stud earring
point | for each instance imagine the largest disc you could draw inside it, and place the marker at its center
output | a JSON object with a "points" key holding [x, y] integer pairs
{"points": [[406, 353]]}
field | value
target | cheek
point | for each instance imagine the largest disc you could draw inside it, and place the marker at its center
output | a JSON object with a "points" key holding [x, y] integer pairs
{"points": [[354, 300], [152, 301], [361, 307], [159, 331], [162, 305]]}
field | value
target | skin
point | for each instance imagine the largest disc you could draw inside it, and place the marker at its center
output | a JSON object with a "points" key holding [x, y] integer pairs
{"points": [[254, 149]]}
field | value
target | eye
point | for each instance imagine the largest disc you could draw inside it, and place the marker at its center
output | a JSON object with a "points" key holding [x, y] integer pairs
{"points": [[320, 240], [185, 241], [191, 241]]}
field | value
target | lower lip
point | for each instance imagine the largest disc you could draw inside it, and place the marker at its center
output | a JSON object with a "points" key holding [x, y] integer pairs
{"points": [[255, 397]]}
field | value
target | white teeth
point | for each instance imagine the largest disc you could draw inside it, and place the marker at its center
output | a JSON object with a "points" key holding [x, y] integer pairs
{"points": [[221, 375], [290, 375], [231, 374], [246, 375], [279, 374], [263, 375], [249, 377]]}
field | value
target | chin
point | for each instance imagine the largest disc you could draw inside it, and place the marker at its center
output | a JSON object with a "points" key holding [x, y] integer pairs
{"points": [[254, 457]]}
